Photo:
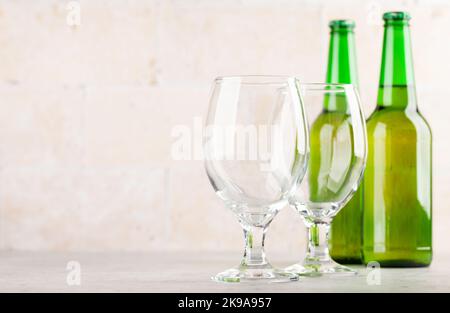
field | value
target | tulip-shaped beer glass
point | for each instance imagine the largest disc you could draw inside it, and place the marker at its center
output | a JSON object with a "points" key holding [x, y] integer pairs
{"points": [[338, 149], [256, 151]]}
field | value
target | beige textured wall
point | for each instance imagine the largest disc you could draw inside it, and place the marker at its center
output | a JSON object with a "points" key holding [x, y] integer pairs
{"points": [[86, 112]]}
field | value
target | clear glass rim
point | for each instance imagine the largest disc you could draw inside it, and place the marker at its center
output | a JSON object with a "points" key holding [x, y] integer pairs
{"points": [[280, 80], [318, 85], [326, 87], [257, 79]]}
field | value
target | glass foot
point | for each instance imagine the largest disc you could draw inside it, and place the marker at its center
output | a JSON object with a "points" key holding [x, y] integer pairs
{"points": [[312, 268], [269, 275]]}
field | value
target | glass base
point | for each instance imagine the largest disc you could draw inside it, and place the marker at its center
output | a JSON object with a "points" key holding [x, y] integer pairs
{"points": [[314, 268], [269, 275]]}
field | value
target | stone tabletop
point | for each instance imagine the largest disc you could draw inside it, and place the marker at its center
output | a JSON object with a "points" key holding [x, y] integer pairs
{"points": [[189, 272]]}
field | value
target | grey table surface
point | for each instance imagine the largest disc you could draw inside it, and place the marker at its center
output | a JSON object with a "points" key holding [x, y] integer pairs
{"points": [[189, 272]]}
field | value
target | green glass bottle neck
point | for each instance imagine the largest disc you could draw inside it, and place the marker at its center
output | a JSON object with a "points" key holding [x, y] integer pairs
{"points": [[397, 87], [342, 67]]}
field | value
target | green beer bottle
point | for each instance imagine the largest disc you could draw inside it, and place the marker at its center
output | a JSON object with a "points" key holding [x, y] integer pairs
{"points": [[397, 180], [346, 231]]}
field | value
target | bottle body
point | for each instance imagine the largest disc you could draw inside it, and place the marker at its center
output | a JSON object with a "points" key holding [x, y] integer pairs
{"points": [[397, 190], [346, 232], [397, 216], [345, 236], [346, 228]]}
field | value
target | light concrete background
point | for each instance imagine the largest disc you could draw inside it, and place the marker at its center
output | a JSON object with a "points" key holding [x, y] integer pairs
{"points": [[86, 112]]}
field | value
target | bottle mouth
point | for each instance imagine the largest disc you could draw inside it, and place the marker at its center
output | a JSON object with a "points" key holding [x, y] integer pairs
{"points": [[398, 17], [336, 25]]}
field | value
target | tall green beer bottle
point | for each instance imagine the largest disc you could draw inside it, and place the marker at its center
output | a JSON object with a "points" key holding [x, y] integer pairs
{"points": [[346, 230], [397, 180]]}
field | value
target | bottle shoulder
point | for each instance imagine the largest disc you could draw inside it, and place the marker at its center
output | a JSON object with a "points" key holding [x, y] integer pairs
{"points": [[393, 119]]}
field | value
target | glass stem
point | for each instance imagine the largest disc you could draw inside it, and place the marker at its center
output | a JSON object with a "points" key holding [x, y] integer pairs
{"points": [[318, 242], [254, 255]]}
